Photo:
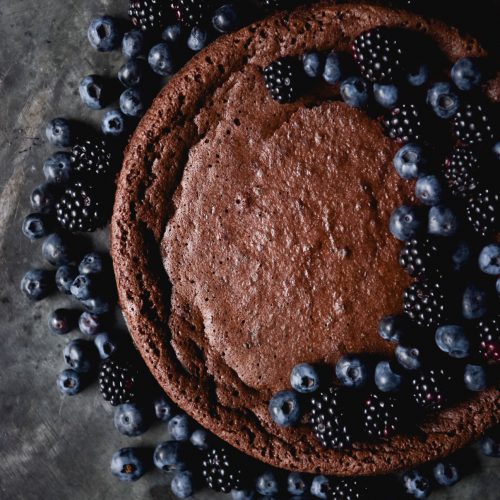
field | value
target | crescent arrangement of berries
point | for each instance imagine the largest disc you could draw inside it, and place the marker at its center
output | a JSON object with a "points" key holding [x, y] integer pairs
{"points": [[446, 241]]}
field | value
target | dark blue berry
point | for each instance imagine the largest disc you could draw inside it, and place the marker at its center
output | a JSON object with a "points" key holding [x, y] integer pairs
{"points": [[386, 378], [200, 439], [58, 169], [164, 409], [130, 420], [460, 255], [91, 324], [62, 321], [496, 150], [406, 222], [69, 382], [354, 92], [104, 34], [314, 64], [94, 92], [179, 427], [83, 287], [443, 100], [489, 259], [387, 95], [242, 494], [284, 408], [106, 344], [296, 484], [321, 487], [442, 221], [65, 276], [132, 103], [352, 371], [410, 161], [475, 378], [97, 305], [475, 302], [333, 70], [132, 73], [182, 484], [429, 190], [267, 484], [226, 18], [169, 455], [114, 123], [59, 133], [92, 263], [453, 340], [419, 76], [127, 464], [446, 473], [490, 444], [133, 44], [43, 198], [197, 39], [417, 484], [409, 357], [172, 33], [80, 355], [304, 378], [59, 249], [37, 284], [36, 226], [466, 74], [393, 328]]}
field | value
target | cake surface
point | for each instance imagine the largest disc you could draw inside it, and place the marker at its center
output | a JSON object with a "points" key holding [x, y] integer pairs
{"points": [[249, 236]]}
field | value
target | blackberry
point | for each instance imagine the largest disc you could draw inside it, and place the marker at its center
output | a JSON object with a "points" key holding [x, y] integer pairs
{"points": [[461, 171], [93, 159], [472, 124], [483, 209], [149, 16], [191, 13], [81, 208], [420, 257], [380, 54], [381, 417], [430, 389], [405, 123], [489, 339], [118, 381], [424, 303], [221, 470], [330, 422], [282, 79], [348, 489]]}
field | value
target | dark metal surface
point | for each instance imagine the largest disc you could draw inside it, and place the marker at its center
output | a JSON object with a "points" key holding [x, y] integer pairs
{"points": [[51, 447]]}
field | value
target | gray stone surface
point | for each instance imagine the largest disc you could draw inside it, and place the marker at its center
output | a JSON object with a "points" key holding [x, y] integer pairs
{"points": [[53, 447]]}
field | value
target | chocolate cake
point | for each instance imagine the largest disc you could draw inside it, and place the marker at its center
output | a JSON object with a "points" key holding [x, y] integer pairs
{"points": [[249, 236]]}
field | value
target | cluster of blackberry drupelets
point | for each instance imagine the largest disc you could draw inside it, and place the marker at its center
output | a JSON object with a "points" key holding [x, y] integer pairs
{"points": [[448, 338]]}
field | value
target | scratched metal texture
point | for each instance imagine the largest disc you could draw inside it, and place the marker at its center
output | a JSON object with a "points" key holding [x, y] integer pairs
{"points": [[51, 447]]}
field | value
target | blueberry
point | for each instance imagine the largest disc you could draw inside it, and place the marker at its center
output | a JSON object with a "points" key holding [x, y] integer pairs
{"points": [[475, 302], [475, 378], [94, 92], [169, 455], [133, 44], [83, 287], [490, 444], [496, 150], [37, 284], [443, 100], [304, 378], [429, 190], [132, 103], [313, 63], [97, 305], [352, 371], [417, 484], [387, 95], [419, 76], [200, 439], [127, 464], [296, 484], [266, 484], [406, 222], [497, 286], [132, 73], [354, 92], [130, 420], [466, 74], [197, 39], [182, 484], [43, 198], [91, 324], [321, 487], [92, 263], [172, 33], [114, 123], [59, 249], [409, 357], [106, 345], [410, 161], [226, 18], [80, 355], [446, 473], [386, 378], [284, 408], [62, 321], [442, 221], [69, 382], [242, 494], [104, 34], [36, 226], [179, 427], [65, 276], [453, 340], [59, 133], [164, 409], [333, 71], [489, 259], [58, 168], [393, 328], [460, 255]]}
